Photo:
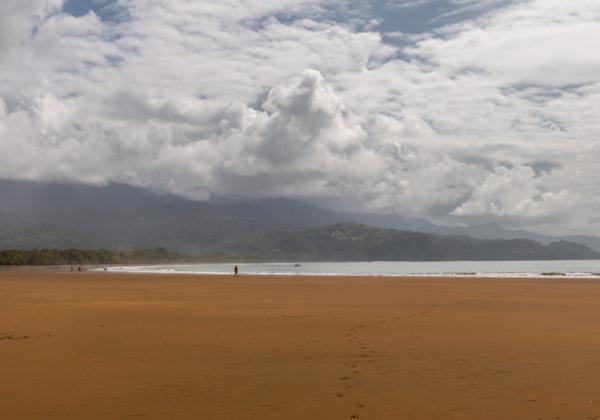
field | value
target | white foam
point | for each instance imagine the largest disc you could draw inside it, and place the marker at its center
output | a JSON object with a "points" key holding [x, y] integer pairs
{"points": [[480, 269]]}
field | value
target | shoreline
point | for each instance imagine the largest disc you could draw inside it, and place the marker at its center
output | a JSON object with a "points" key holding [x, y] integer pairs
{"points": [[99, 269]]}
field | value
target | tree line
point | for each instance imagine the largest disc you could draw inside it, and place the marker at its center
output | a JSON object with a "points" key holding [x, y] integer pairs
{"points": [[73, 256]]}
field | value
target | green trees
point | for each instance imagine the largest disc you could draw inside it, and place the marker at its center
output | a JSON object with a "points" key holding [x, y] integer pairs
{"points": [[73, 256]]}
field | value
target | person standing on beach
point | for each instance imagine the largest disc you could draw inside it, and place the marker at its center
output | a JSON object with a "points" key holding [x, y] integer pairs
{"points": [[235, 271]]}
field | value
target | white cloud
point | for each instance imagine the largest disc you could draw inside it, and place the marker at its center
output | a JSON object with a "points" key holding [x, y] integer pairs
{"points": [[273, 98], [514, 192], [18, 17]]}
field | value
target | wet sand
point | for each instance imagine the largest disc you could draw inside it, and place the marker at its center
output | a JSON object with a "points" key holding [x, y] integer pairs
{"points": [[106, 346]]}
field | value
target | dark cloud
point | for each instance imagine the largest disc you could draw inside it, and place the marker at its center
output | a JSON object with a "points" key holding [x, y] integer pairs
{"points": [[542, 167]]}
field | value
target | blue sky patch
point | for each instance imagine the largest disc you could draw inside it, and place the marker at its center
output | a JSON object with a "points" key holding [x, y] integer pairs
{"points": [[106, 10]]}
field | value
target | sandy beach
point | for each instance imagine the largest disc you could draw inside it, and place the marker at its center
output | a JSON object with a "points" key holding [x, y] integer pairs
{"points": [[107, 346]]}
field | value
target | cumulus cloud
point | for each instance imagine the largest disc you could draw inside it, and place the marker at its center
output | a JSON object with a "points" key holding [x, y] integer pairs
{"points": [[18, 17], [513, 192], [490, 118]]}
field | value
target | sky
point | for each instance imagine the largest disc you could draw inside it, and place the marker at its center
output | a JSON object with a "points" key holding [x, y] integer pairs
{"points": [[458, 111]]}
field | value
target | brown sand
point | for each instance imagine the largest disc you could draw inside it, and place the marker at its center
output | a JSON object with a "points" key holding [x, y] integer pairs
{"points": [[104, 346]]}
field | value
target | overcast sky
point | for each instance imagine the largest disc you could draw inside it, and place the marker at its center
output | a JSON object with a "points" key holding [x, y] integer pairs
{"points": [[460, 111]]}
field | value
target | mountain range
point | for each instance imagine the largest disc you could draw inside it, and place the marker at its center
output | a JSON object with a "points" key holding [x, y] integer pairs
{"points": [[121, 217], [355, 242]]}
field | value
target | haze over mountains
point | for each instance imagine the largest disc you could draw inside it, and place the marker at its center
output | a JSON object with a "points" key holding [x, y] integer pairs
{"points": [[355, 242], [118, 216]]}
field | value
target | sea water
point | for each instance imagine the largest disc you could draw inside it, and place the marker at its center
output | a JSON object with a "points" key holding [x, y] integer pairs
{"points": [[577, 269]]}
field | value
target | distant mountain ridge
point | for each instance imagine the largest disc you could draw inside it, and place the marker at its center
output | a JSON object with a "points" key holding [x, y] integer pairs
{"points": [[121, 217], [493, 231], [355, 242]]}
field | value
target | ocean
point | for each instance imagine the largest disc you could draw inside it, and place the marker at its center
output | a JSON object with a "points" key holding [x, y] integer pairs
{"points": [[526, 269]]}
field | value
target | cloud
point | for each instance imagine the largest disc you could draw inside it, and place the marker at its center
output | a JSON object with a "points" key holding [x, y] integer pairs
{"points": [[493, 117], [18, 17], [514, 193]]}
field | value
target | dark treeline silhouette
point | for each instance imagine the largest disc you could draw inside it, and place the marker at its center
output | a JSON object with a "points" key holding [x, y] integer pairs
{"points": [[74, 256]]}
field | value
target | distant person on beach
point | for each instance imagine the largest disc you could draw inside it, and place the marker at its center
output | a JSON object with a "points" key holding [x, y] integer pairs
{"points": [[79, 269], [235, 271]]}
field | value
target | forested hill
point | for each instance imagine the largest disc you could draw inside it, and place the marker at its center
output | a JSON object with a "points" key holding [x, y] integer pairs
{"points": [[121, 218], [354, 242], [341, 242]]}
